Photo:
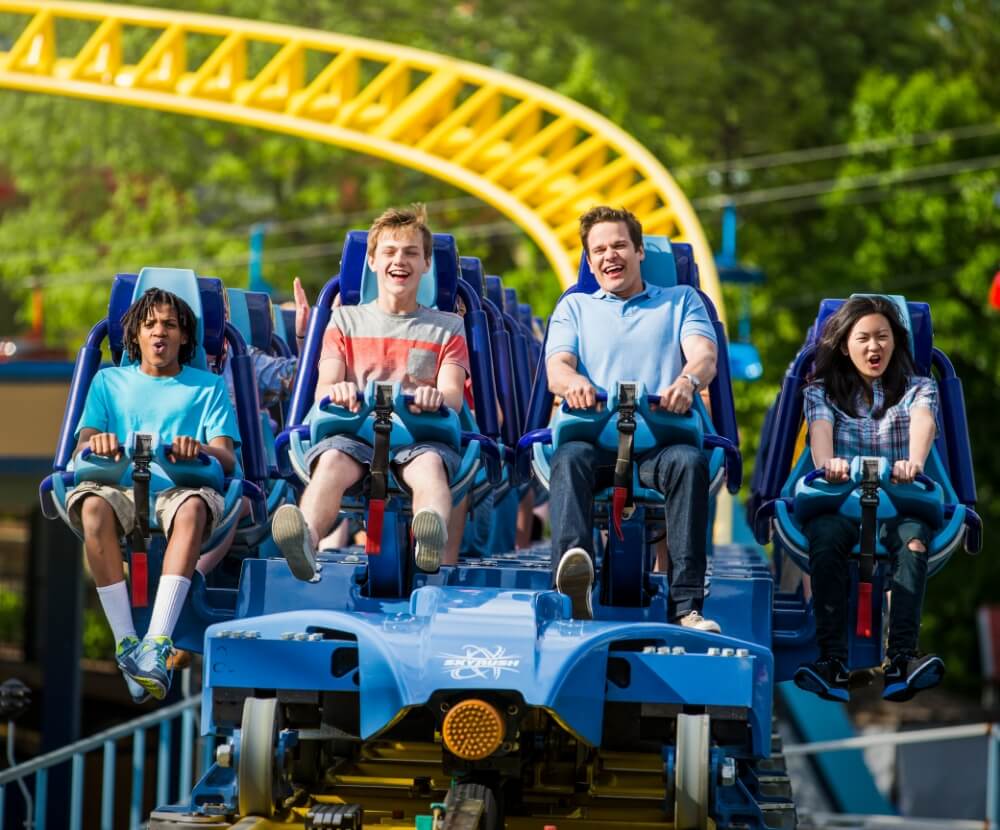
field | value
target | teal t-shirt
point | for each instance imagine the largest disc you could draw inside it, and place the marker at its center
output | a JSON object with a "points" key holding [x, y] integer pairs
{"points": [[124, 400]]}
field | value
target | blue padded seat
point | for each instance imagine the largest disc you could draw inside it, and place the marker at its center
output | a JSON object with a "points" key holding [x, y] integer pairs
{"points": [[472, 272], [665, 265], [799, 500], [206, 298], [357, 285], [251, 313]]}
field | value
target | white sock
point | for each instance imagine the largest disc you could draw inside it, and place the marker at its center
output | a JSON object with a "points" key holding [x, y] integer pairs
{"points": [[118, 610], [170, 598]]}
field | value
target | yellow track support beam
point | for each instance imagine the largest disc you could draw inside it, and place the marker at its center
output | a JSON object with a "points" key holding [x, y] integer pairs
{"points": [[539, 158]]}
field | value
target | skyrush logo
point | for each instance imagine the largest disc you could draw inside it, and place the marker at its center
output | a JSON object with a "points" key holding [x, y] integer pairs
{"points": [[479, 662]]}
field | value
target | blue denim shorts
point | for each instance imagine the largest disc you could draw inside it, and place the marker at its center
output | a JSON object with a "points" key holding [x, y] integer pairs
{"points": [[363, 453]]}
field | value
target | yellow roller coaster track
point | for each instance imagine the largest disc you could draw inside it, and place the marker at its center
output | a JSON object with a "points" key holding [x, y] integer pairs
{"points": [[538, 157]]}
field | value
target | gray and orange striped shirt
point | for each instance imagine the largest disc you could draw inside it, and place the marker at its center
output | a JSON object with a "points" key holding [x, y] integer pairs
{"points": [[408, 348]]}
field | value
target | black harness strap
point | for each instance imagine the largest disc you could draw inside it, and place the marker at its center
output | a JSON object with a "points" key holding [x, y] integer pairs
{"points": [[866, 568], [142, 457], [622, 501], [382, 428]]}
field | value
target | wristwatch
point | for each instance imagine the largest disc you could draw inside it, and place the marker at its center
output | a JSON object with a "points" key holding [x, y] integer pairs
{"points": [[695, 383]]}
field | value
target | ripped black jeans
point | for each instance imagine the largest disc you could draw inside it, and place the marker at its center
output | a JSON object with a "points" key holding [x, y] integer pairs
{"points": [[831, 537]]}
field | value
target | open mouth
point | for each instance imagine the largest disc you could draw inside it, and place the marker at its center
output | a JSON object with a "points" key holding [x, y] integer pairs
{"points": [[159, 347], [398, 276], [613, 270], [875, 362]]}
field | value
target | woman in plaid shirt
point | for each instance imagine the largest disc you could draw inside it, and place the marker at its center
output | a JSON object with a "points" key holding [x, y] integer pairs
{"points": [[865, 398]]}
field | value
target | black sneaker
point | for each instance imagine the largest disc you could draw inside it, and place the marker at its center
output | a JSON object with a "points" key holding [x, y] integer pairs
{"points": [[908, 673], [827, 678]]}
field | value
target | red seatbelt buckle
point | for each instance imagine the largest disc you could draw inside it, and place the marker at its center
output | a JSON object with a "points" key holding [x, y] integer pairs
{"points": [[864, 627], [376, 513], [618, 498], [139, 577]]}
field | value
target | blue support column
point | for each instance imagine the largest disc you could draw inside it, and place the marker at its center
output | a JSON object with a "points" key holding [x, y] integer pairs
{"points": [[56, 580], [256, 280]]}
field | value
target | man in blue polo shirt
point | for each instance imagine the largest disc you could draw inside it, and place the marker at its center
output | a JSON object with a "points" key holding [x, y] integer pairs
{"points": [[628, 330]]}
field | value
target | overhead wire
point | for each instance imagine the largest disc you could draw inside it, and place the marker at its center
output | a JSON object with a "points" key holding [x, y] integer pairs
{"points": [[833, 151], [281, 254], [824, 186]]}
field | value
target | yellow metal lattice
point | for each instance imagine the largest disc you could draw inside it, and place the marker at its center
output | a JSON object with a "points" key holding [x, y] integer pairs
{"points": [[538, 157]]}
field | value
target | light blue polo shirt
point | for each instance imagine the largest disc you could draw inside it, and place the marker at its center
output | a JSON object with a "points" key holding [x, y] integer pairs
{"points": [[634, 339]]}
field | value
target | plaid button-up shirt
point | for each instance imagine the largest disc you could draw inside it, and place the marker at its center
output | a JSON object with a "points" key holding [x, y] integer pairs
{"points": [[862, 434]]}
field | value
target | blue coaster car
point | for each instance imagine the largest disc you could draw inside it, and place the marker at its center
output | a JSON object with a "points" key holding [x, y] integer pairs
{"points": [[786, 494], [476, 690], [390, 574], [148, 455]]}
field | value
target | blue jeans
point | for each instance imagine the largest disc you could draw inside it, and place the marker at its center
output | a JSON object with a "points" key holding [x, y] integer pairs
{"points": [[679, 472]]}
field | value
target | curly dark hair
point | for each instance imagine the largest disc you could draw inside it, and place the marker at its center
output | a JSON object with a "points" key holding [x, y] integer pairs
{"points": [[602, 213], [141, 310], [834, 369]]}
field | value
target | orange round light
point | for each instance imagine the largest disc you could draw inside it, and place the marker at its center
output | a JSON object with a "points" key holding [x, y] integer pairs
{"points": [[472, 730]]}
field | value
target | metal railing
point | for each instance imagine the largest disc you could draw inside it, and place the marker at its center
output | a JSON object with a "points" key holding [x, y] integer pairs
{"points": [[164, 719], [919, 736]]}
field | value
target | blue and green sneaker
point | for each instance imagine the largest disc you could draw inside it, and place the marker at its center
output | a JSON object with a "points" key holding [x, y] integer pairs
{"points": [[147, 665], [123, 651]]}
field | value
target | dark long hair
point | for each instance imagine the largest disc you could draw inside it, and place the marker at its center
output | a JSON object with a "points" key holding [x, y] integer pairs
{"points": [[140, 311], [834, 368]]}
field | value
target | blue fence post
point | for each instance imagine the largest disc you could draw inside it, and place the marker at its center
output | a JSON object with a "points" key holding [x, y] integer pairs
{"points": [[163, 764], [138, 777], [992, 782], [41, 798], [76, 794], [108, 787], [184, 783]]}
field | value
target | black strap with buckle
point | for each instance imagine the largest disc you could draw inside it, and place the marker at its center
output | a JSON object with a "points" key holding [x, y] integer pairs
{"points": [[142, 457], [866, 568], [382, 427], [622, 501], [869, 513]]}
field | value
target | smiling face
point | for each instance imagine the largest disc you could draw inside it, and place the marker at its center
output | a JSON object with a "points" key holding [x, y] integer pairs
{"points": [[614, 259], [399, 261], [870, 345], [160, 341]]}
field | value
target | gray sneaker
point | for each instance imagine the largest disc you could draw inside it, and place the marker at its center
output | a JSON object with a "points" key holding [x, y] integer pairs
{"points": [[575, 578], [429, 537], [291, 534]]}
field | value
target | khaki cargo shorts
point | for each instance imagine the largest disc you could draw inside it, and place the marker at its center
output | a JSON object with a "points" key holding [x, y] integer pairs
{"points": [[122, 502]]}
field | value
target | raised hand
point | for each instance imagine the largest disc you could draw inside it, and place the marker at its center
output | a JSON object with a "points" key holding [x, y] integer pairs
{"points": [[301, 308]]}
